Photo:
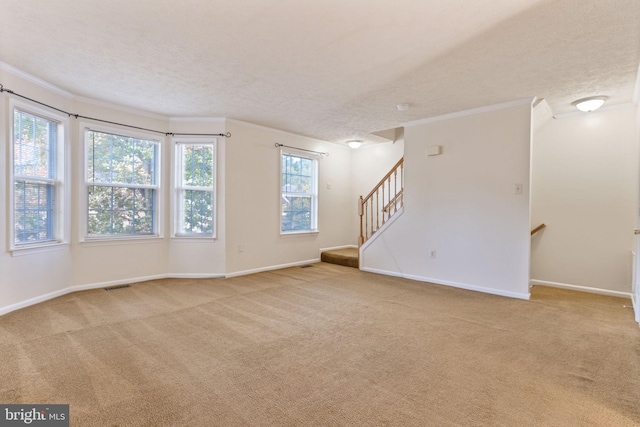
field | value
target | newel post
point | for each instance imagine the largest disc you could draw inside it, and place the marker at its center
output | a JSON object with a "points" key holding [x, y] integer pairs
{"points": [[360, 213]]}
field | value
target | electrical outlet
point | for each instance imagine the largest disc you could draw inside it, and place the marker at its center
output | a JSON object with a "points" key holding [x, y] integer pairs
{"points": [[517, 189], [432, 253], [241, 248]]}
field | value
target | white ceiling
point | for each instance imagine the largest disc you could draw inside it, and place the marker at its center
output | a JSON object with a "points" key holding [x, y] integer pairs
{"points": [[330, 69]]}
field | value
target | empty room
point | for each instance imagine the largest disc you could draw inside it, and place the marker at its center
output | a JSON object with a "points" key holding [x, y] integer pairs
{"points": [[328, 213]]}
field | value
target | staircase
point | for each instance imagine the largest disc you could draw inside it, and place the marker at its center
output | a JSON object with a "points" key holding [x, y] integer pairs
{"points": [[375, 210], [381, 203], [347, 257]]}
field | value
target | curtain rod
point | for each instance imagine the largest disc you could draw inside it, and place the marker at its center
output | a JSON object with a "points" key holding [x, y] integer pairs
{"points": [[302, 149], [78, 116]]}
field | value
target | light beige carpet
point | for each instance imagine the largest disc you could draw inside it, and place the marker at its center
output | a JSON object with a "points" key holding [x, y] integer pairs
{"points": [[324, 346]]}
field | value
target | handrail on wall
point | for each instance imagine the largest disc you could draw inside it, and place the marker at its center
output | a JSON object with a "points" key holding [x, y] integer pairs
{"points": [[538, 228]]}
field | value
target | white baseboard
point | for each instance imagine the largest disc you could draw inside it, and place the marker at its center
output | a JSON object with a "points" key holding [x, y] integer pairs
{"points": [[100, 285], [466, 286], [636, 308], [116, 282], [493, 291], [272, 267], [195, 276], [581, 288], [77, 288], [385, 272], [33, 301]]}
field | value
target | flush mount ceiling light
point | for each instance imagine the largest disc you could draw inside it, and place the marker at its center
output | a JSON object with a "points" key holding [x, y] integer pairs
{"points": [[402, 107], [354, 143], [590, 104]]}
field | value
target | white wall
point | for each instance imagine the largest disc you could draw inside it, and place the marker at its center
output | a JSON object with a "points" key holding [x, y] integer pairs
{"points": [[369, 165], [635, 297], [372, 162], [462, 204], [247, 206], [29, 276], [106, 262], [253, 200], [202, 257], [585, 188]]}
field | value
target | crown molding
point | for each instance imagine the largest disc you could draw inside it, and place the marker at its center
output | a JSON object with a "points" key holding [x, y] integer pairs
{"points": [[470, 112], [118, 107], [48, 86], [198, 119], [35, 80], [284, 132]]}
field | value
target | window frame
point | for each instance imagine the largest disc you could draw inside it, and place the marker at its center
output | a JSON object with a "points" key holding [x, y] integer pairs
{"points": [[157, 233], [314, 195], [177, 186], [61, 221]]}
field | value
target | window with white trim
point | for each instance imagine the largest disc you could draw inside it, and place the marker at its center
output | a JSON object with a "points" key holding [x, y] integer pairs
{"points": [[37, 172], [299, 193], [195, 177], [122, 185]]}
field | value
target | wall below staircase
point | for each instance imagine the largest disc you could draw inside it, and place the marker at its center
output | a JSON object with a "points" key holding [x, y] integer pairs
{"points": [[461, 204]]}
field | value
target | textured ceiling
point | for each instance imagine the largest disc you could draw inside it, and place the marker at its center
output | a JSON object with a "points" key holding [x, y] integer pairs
{"points": [[330, 69]]}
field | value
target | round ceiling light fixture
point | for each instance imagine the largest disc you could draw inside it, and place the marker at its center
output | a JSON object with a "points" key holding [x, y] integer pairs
{"points": [[590, 104], [354, 143], [402, 107]]}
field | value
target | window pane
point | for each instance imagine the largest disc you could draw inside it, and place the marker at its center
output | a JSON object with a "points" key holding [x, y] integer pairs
{"points": [[297, 174], [121, 161], [298, 193], [34, 158], [115, 210], [296, 213], [195, 197], [305, 185], [34, 147], [115, 159], [197, 212], [197, 165], [34, 212]]}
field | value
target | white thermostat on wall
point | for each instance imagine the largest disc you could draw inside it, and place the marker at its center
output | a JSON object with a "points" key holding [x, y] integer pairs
{"points": [[434, 150]]}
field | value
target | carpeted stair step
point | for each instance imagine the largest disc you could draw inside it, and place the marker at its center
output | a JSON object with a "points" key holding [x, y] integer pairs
{"points": [[347, 257]]}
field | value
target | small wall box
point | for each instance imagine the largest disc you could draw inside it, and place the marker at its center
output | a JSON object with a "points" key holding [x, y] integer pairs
{"points": [[434, 150]]}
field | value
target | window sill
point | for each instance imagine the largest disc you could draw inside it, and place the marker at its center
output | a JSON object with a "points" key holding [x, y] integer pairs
{"points": [[38, 248], [299, 233], [193, 239], [120, 240]]}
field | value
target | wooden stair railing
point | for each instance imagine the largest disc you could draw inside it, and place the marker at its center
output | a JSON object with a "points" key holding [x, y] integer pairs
{"points": [[381, 203]]}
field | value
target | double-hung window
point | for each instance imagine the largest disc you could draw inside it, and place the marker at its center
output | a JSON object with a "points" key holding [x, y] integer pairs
{"points": [[299, 193], [122, 185], [194, 199], [37, 172]]}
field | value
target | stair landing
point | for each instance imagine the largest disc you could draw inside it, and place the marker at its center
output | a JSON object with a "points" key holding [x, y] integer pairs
{"points": [[347, 257]]}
